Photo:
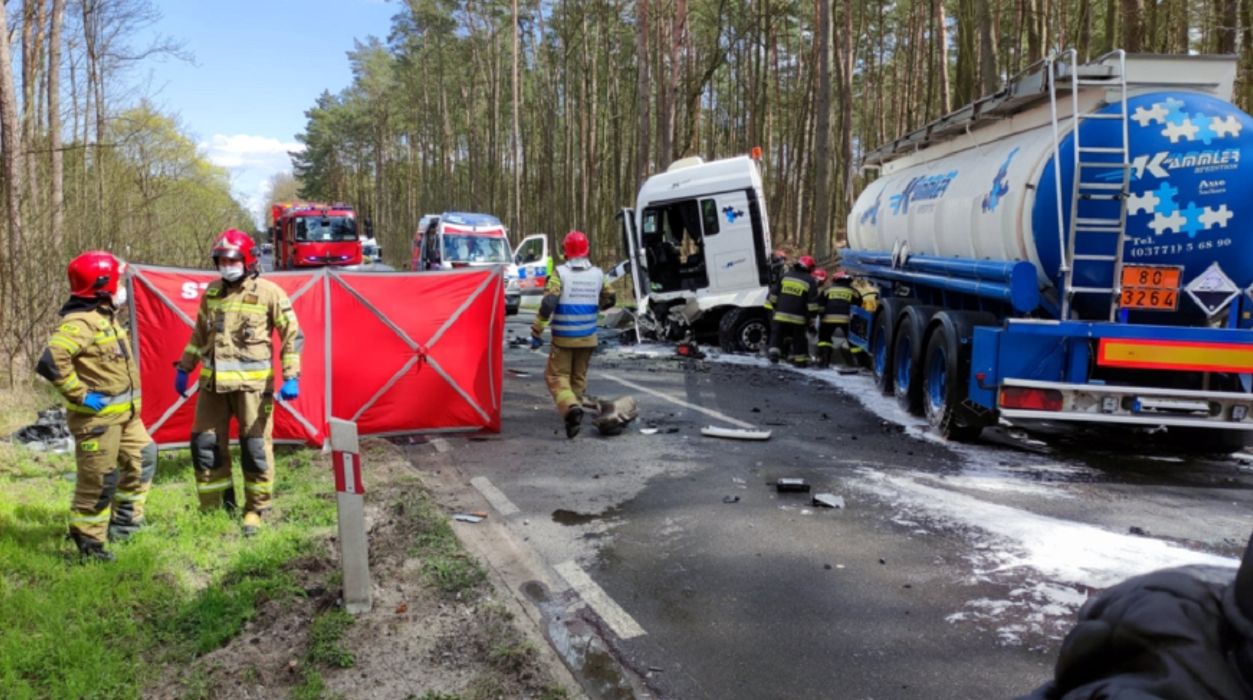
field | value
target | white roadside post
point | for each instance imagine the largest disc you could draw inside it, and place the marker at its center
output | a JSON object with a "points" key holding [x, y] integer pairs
{"points": [[349, 494]]}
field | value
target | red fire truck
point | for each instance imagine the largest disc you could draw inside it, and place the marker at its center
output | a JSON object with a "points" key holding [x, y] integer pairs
{"points": [[314, 235]]}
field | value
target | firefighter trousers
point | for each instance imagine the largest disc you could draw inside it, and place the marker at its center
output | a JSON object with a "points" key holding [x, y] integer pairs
{"points": [[826, 339], [210, 448], [792, 338], [116, 464], [566, 375]]}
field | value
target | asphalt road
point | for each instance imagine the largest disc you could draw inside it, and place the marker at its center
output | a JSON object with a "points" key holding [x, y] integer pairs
{"points": [[953, 571]]}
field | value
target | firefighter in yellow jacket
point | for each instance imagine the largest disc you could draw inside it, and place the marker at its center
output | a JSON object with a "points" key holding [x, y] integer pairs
{"points": [[576, 292], [232, 342], [89, 360]]}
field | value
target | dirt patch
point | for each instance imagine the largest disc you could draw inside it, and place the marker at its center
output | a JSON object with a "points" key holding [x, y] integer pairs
{"points": [[425, 636]]}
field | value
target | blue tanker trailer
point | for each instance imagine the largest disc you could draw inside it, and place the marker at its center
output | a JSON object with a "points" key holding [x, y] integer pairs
{"points": [[1076, 247]]}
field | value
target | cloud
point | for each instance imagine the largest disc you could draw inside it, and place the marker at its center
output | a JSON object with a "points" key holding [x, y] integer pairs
{"points": [[251, 161]]}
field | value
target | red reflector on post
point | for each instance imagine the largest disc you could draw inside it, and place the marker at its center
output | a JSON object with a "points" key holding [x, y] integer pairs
{"points": [[1031, 399]]}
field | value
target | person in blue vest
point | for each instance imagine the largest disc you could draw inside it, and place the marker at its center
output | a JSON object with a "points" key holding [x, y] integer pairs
{"points": [[575, 294]]}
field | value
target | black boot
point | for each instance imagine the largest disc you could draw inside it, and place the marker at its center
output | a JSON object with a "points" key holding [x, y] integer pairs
{"points": [[574, 421], [824, 357], [90, 550], [120, 532], [228, 500]]}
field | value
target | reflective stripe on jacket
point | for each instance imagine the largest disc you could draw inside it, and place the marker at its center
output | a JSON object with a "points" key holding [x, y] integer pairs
{"points": [[840, 299], [232, 339], [90, 351], [796, 298]]}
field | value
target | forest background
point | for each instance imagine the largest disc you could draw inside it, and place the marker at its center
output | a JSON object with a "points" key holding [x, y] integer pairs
{"points": [[547, 113]]}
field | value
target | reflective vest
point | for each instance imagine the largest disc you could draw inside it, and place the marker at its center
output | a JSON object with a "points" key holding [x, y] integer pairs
{"points": [[575, 316], [840, 298]]}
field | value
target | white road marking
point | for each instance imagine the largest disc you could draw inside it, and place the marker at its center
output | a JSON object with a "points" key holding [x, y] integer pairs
{"points": [[678, 401], [618, 620], [499, 500]]}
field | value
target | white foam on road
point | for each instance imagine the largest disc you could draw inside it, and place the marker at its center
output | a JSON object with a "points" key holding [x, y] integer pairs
{"points": [[1063, 551]]}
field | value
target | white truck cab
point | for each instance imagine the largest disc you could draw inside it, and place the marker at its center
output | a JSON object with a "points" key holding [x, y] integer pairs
{"points": [[699, 246]]}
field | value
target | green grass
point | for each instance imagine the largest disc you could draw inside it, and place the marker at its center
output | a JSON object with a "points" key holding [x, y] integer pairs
{"points": [[182, 587], [324, 640], [446, 565]]}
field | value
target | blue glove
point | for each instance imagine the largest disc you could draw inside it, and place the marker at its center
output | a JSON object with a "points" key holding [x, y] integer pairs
{"points": [[180, 382], [290, 389], [95, 401], [536, 342]]}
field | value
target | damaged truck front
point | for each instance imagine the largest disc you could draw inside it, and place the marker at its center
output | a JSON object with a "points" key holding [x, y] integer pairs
{"points": [[699, 254]]}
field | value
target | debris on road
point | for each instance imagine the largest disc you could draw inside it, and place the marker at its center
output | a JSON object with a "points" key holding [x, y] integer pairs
{"points": [[730, 499], [475, 517], [1138, 531], [49, 433], [518, 372], [735, 433], [612, 416], [828, 500], [519, 342], [689, 349], [788, 485], [648, 431]]}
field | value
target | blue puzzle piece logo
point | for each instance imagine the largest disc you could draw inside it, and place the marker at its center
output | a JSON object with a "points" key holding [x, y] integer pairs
{"points": [[732, 214], [1166, 204], [1194, 224], [1174, 111], [1000, 188], [1204, 133]]}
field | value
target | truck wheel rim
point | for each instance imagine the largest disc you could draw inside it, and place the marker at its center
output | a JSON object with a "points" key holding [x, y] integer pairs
{"points": [[880, 355], [752, 335], [903, 361], [937, 382]]}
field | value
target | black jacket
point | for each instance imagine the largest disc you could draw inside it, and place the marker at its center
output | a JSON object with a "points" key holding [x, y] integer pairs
{"points": [[1184, 633], [795, 299]]}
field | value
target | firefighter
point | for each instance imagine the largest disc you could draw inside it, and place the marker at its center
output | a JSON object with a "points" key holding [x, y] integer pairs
{"points": [[89, 360], [576, 292], [231, 341], [839, 300], [794, 302]]}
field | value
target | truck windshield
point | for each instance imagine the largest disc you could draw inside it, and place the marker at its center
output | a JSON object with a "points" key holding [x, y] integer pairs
{"points": [[324, 229], [475, 249]]}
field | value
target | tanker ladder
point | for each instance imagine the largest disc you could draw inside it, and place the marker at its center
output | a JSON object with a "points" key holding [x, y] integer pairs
{"points": [[1092, 204]]}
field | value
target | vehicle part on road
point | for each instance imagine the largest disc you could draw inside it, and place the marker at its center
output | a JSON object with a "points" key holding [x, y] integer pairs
{"points": [[828, 500], [612, 416], [735, 433], [470, 517], [49, 433], [648, 431], [730, 499], [789, 485], [688, 349]]}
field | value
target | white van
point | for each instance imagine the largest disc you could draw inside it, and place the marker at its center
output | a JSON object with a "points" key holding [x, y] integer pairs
{"points": [[699, 246]]}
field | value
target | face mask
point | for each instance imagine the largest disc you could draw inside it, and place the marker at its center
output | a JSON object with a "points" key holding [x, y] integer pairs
{"points": [[119, 300], [232, 273]]}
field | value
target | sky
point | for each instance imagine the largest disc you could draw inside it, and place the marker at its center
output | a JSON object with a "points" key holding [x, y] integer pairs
{"points": [[257, 66]]}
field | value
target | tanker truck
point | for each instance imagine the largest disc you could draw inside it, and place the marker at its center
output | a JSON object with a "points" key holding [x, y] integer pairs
{"points": [[1073, 248]]}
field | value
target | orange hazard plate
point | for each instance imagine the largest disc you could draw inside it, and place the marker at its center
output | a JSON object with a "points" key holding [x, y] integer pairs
{"points": [[1150, 287], [1149, 299]]}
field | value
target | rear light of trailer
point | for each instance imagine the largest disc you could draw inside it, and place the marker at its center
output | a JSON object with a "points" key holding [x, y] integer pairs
{"points": [[1023, 398]]}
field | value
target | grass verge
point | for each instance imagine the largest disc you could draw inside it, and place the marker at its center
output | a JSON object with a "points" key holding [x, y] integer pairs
{"points": [[184, 586]]}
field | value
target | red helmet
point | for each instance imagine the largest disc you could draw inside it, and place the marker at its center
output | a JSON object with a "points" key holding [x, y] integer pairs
{"points": [[233, 244], [95, 273], [820, 275], [575, 245], [806, 263]]}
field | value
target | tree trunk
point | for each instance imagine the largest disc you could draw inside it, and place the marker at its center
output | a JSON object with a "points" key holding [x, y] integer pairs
{"points": [[1227, 29], [941, 39], [10, 167], [642, 165], [989, 79], [822, 130], [515, 143], [56, 164], [1131, 25]]}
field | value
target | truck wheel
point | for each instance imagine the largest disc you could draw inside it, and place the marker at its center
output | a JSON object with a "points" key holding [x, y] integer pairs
{"points": [[946, 375], [881, 343], [744, 330], [907, 350]]}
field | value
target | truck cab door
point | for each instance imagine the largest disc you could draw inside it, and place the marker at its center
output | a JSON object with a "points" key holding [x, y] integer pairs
{"points": [[635, 254], [733, 240], [531, 257]]}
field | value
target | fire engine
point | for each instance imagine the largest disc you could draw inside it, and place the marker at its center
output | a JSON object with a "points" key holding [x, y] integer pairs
{"points": [[314, 235]]}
